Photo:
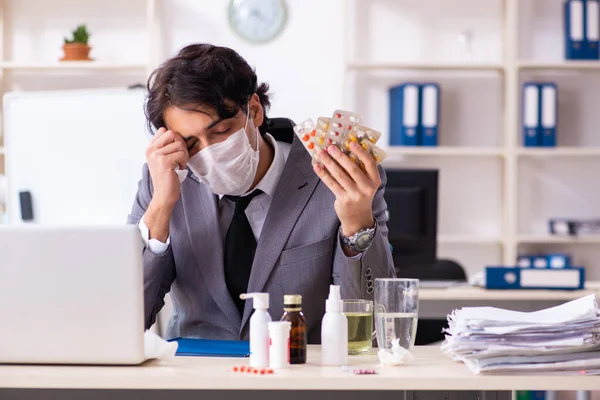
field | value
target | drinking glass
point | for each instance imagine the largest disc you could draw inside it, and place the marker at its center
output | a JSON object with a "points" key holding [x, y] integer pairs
{"points": [[396, 312], [360, 325]]}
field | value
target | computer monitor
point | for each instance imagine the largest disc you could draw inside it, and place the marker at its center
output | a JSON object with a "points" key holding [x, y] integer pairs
{"points": [[412, 200]]}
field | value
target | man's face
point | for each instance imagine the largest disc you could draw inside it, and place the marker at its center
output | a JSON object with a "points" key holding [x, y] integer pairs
{"points": [[201, 127]]}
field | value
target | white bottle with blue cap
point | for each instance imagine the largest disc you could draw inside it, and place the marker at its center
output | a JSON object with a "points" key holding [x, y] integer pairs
{"points": [[259, 329]]}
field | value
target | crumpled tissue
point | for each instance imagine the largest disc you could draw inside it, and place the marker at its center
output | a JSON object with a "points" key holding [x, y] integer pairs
{"points": [[397, 356], [157, 347]]}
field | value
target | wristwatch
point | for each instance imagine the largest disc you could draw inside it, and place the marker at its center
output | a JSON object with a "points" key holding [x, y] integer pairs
{"points": [[361, 240]]}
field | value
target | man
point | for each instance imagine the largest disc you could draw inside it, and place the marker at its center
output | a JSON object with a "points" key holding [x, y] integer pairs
{"points": [[251, 214]]}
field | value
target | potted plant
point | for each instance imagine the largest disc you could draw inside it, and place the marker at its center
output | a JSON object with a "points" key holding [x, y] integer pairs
{"points": [[77, 48]]}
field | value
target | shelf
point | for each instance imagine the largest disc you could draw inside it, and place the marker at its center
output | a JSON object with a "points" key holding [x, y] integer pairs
{"points": [[560, 65], [550, 239], [559, 152], [424, 66], [468, 239], [70, 65], [448, 151]]}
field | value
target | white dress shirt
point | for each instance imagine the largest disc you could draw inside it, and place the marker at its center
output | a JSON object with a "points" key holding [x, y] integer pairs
{"points": [[257, 209]]}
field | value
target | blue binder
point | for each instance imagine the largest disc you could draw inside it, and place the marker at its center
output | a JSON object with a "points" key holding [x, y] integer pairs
{"points": [[548, 114], [404, 115], [575, 44], [212, 348], [430, 111], [531, 114], [570, 278], [592, 29]]}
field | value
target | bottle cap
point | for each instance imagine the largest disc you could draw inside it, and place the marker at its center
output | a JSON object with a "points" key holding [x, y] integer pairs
{"points": [[334, 301], [292, 299], [261, 300], [279, 325]]}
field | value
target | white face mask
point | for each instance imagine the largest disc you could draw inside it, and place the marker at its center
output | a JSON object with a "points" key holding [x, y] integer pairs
{"points": [[228, 167]]}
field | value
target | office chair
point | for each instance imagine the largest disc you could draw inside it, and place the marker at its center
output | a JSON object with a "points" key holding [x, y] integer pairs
{"points": [[282, 129], [430, 330]]}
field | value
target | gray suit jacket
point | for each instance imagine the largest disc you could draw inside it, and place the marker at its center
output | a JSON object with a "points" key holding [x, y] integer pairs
{"points": [[298, 252]]}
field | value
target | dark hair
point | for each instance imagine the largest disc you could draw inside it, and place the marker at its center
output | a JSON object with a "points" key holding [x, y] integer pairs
{"points": [[206, 75]]}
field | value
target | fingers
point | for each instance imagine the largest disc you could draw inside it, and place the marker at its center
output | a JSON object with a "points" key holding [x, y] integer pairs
{"points": [[350, 166], [157, 135], [172, 147], [340, 174], [328, 180], [166, 138], [177, 160], [367, 159]]}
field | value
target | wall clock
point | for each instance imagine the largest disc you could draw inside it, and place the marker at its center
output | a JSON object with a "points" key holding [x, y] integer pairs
{"points": [[257, 21]]}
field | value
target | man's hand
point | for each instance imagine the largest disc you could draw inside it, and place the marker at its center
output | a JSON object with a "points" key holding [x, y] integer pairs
{"points": [[166, 152], [354, 189]]}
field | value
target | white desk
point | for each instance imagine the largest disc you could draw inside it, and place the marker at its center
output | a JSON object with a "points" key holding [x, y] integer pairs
{"points": [[430, 371], [470, 293]]}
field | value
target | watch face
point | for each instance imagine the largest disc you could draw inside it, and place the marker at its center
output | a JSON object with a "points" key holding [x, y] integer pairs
{"points": [[363, 241], [257, 20]]}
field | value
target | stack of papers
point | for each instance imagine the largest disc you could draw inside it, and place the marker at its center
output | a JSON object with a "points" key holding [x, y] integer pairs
{"points": [[562, 339]]}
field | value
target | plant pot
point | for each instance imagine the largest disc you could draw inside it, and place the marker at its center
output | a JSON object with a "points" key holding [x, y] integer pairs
{"points": [[76, 52]]}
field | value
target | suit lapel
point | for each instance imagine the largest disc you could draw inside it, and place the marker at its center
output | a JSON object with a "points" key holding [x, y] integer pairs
{"points": [[201, 215], [294, 189]]}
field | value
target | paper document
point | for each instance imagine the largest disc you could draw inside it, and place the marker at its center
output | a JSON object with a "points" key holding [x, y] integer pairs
{"points": [[561, 339]]}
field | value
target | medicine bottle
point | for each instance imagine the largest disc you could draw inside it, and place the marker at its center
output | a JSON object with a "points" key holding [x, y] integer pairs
{"points": [[292, 307]]}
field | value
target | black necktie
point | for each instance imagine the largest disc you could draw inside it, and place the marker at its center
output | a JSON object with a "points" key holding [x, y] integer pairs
{"points": [[240, 246]]}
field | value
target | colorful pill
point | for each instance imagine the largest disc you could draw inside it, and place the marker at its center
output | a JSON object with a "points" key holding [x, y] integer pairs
{"points": [[337, 125], [329, 141], [338, 115], [269, 371], [364, 145], [305, 138], [250, 370], [311, 145], [321, 140], [313, 133], [335, 133], [236, 369], [263, 371], [255, 371], [376, 157], [349, 127]]}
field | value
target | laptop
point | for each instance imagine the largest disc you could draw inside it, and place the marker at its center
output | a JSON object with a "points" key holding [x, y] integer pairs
{"points": [[71, 295]]}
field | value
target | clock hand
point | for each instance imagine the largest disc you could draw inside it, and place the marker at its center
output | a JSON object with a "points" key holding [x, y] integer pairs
{"points": [[256, 13]]}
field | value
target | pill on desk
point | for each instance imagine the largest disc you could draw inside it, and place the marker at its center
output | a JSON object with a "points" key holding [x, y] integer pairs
{"points": [[269, 371], [242, 368], [236, 369]]}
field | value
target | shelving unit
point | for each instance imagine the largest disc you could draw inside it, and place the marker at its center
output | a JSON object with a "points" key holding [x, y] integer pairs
{"points": [[115, 62], [478, 147], [455, 151]]}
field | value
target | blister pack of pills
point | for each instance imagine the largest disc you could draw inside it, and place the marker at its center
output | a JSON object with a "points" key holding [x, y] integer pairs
{"points": [[341, 130]]}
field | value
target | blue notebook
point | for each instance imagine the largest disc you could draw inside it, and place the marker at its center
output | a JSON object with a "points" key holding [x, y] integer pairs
{"points": [[211, 348]]}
